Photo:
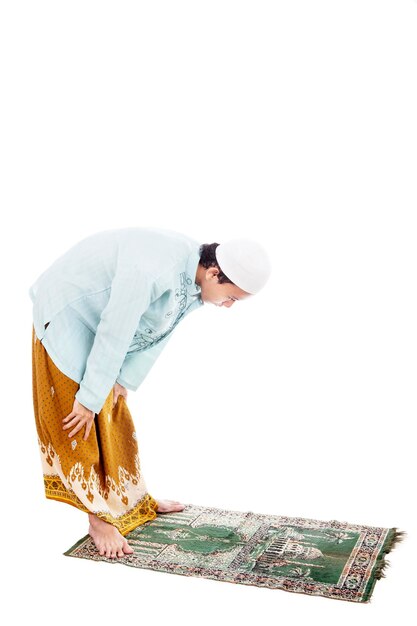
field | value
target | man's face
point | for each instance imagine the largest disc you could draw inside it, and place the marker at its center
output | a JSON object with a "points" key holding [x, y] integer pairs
{"points": [[213, 292]]}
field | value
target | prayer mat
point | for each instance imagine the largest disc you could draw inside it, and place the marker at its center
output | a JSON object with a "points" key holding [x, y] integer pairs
{"points": [[331, 559]]}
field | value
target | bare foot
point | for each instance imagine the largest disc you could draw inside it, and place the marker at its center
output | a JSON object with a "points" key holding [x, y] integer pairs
{"points": [[108, 540], [167, 506]]}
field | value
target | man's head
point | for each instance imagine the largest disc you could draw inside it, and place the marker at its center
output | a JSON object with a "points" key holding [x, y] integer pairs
{"points": [[245, 262]]}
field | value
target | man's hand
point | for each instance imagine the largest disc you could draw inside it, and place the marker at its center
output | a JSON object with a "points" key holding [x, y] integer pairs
{"points": [[79, 416], [119, 390]]}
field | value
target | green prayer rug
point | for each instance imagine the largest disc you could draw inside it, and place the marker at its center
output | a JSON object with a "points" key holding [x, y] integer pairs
{"points": [[331, 559]]}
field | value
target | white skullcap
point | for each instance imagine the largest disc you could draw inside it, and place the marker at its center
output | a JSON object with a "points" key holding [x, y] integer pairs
{"points": [[245, 262]]}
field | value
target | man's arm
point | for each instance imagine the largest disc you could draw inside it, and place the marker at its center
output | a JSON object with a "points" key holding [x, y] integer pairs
{"points": [[130, 296], [137, 365]]}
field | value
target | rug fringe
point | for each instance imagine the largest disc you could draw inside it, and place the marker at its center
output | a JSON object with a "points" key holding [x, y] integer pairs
{"points": [[396, 537]]}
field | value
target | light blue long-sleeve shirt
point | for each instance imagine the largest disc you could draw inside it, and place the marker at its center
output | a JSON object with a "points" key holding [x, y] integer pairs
{"points": [[112, 301]]}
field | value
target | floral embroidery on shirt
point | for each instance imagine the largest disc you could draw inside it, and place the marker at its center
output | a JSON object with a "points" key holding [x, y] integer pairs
{"points": [[147, 337]]}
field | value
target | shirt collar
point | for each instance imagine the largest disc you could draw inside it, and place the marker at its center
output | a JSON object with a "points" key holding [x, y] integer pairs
{"points": [[192, 264]]}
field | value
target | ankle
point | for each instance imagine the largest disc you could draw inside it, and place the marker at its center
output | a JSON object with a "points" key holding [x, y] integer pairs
{"points": [[93, 519]]}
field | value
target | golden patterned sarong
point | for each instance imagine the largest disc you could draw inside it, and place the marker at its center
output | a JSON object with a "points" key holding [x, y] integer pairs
{"points": [[100, 475]]}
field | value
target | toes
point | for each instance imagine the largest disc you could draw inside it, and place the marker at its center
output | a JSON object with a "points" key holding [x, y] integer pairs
{"points": [[127, 549]]}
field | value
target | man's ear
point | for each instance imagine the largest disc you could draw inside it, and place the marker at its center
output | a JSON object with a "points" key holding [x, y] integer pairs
{"points": [[212, 271]]}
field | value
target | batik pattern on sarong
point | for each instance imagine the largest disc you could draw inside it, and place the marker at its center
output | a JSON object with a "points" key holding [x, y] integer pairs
{"points": [[100, 475]]}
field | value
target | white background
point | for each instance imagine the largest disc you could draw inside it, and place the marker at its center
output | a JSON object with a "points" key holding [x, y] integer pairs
{"points": [[293, 122]]}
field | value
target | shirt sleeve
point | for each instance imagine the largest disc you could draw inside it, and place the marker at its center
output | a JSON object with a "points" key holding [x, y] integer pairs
{"points": [[137, 365], [130, 296]]}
